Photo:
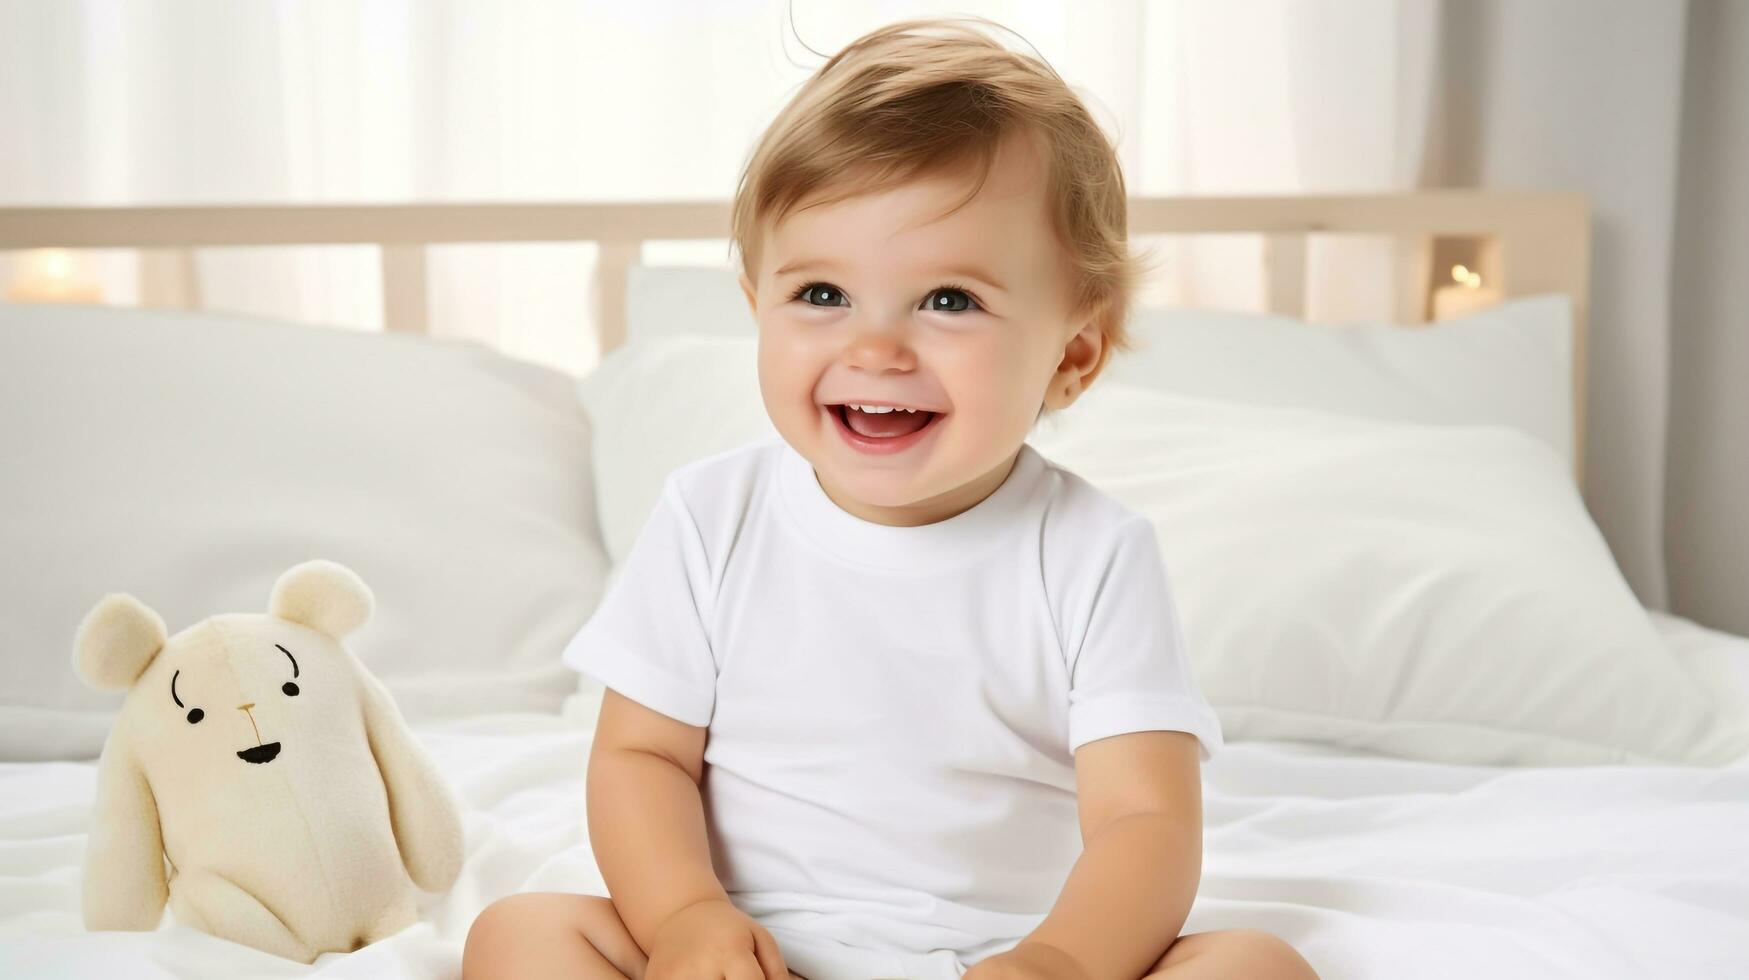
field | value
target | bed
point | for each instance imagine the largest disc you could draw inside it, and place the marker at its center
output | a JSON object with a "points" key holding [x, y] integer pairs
{"points": [[1374, 867], [1381, 844]]}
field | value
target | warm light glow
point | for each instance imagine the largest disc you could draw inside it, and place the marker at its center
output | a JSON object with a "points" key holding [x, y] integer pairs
{"points": [[1462, 275], [57, 263], [53, 275]]}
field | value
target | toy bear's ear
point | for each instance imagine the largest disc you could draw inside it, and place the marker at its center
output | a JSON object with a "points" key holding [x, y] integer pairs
{"points": [[323, 595], [115, 642]]}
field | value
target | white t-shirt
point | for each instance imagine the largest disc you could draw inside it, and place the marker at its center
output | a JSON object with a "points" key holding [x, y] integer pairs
{"points": [[893, 711]]}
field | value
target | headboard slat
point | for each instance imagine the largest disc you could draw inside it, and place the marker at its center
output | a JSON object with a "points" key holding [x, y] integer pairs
{"points": [[404, 293]]}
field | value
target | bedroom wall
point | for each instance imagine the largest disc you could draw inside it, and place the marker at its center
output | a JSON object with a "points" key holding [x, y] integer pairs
{"points": [[1707, 522]]}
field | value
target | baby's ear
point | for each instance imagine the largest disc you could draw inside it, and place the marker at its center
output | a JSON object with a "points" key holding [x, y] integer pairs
{"points": [[115, 642], [323, 595]]}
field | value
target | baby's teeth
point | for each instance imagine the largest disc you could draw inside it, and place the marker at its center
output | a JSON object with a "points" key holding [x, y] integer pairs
{"points": [[873, 409]]}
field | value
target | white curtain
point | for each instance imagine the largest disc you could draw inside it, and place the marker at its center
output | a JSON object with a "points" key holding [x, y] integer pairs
{"points": [[1708, 471], [212, 101], [336, 100]]}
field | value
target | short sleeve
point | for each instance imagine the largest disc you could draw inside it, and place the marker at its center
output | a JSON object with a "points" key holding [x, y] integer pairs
{"points": [[647, 640], [1130, 670]]}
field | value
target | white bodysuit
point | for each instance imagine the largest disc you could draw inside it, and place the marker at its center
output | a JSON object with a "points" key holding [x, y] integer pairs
{"points": [[889, 779]]}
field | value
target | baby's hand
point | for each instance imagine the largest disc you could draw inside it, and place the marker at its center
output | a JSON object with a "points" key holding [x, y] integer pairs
{"points": [[1028, 961], [713, 940]]}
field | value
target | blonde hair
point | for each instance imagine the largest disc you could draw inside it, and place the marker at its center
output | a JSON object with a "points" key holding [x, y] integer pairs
{"points": [[919, 97]]}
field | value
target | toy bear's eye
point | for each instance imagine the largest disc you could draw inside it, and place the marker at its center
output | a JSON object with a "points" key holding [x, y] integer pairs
{"points": [[195, 715], [290, 689]]}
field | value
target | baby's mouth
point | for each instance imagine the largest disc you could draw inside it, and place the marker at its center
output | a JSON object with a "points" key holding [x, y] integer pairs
{"points": [[882, 421]]}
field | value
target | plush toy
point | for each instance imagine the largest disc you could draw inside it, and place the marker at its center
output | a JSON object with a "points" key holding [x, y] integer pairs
{"points": [[270, 768]]}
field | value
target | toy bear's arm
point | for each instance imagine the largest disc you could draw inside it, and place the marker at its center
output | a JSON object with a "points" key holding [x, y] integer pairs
{"points": [[124, 885], [428, 827]]}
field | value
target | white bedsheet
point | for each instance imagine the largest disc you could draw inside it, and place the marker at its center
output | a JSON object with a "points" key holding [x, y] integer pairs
{"points": [[1373, 867]]}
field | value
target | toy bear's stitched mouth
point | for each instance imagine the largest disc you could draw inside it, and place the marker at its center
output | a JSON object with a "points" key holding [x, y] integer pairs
{"points": [[260, 753]]}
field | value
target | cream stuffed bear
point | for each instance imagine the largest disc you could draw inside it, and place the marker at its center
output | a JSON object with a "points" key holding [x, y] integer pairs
{"points": [[270, 768]]}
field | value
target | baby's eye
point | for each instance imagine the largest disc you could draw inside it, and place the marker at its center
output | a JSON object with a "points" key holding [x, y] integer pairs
{"points": [[950, 300], [821, 294], [195, 715]]}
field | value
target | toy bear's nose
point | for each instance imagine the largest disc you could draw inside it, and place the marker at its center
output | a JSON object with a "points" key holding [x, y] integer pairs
{"points": [[245, 707]]}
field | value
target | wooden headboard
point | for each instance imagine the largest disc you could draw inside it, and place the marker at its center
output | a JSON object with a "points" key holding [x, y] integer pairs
{"points": [[1522, 242]]}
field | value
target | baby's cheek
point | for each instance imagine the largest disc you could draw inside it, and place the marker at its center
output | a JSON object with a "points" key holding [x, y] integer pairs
{"points": [[785, 364], [789, 370], [1000, 384], [991, 424]]}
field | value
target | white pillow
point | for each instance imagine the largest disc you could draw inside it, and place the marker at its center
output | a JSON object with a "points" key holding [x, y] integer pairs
{"points": [[1425, 591], [1511, 364], [654, 405], [192, 458]]}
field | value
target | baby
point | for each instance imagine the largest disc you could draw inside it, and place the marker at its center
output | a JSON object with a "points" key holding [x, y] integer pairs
{"points": [[894, 696]]}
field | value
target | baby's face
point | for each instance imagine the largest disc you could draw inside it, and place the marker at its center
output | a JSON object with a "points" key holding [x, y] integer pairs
{"points": [[906, 355]]}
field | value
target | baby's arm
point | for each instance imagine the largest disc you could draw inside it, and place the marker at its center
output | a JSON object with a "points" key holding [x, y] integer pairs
{"points": [[1140, 798], [646, 825], [646, 818]]}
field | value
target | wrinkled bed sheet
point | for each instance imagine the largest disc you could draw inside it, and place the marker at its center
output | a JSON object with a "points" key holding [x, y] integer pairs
{"points": [[1373, 867]]}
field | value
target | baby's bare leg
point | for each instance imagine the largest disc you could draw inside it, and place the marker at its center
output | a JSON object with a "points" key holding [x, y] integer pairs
{"points": [[551, 934], [1249, 953]]}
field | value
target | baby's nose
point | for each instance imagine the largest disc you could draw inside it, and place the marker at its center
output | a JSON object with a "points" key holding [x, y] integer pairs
{"points": [[880, 351], [245, 707]]}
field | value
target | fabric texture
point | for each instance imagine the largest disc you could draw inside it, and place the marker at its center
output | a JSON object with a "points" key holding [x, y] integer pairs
{"points": [[258, 758], [817, 958], [656, 405], [1510, 364], [1375, 868], [893, 711], [190, 458], [1437, 592]]}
